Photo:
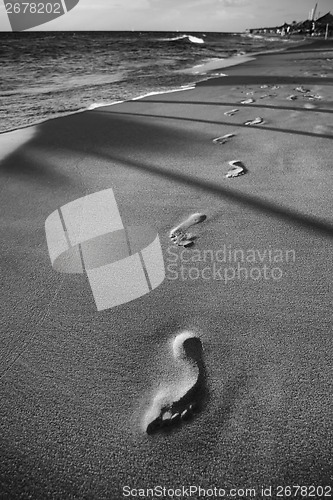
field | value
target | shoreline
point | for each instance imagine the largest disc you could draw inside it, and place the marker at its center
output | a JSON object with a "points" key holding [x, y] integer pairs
{"points": [[223, 63], [140, 96]]}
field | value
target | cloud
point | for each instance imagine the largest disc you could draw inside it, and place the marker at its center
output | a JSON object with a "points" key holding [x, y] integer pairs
{"points": [[233, 3], [124, 5], [182, 15], [133, 4], [161, 4], [208, 10]]}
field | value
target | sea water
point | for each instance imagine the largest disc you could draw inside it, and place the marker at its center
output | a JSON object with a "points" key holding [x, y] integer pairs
{"points": [[49, 74]]}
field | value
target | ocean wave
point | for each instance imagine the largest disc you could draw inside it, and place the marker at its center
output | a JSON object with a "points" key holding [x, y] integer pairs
{"points": [[125, 65], [191, 38], [249, 35]]}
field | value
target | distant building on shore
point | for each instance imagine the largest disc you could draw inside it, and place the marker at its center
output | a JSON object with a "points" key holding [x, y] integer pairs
{"points": [[325, 20], [280, 30], [322, 26]]}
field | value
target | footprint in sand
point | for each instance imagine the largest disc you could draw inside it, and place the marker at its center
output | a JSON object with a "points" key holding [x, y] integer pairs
{"points": [[269, 86], [302, 90], [256, 121], [313, 97], [231, 112], [177, 401], [179, 236], [247, 101], [265, 96], [223, 139], [237, 168]]}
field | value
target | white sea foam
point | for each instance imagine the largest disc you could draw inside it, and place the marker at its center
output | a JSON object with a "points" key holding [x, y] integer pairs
{"points": [[191, 38], [95, 105], [194, 39], [216, 64], [181, 89]]}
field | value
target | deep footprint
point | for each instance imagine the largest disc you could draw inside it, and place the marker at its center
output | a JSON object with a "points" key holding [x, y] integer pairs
{"points": [[177, 403], [182, 239], [238, 168], [179, 236]]}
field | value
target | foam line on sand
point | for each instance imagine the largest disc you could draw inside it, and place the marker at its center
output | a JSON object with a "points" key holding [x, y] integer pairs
{"points": [[182, 89], [103, 105], [217, 65]]}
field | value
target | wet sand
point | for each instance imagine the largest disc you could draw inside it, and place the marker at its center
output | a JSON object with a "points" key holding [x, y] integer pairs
{"points": [[76, 382]]}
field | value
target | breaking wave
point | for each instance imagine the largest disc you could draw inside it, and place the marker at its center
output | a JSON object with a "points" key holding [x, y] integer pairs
{"points": [[191, 38]]}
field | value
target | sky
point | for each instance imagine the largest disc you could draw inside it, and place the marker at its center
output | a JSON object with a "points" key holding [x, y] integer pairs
{"points": [[177, 15]]}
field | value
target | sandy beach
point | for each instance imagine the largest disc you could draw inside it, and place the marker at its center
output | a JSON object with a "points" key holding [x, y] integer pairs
{"points": [[76, 383]]}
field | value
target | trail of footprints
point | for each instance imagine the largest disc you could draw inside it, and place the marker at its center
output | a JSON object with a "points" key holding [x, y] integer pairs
{"points": [[178, 402], [180, 235], [237, 167]]}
